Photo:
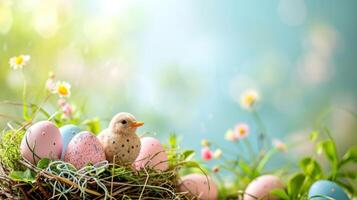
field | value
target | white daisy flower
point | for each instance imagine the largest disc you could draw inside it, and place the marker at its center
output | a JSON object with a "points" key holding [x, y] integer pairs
{"points": [[18, 62]]}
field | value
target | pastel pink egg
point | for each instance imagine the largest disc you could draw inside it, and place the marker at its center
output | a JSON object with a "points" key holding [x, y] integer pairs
{"points": [[83, 149], [42, 140], [262, 186], [198, 186], [152, 155]]}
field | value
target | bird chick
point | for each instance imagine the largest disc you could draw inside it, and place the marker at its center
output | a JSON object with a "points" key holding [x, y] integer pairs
{"points": [[120, 140]]}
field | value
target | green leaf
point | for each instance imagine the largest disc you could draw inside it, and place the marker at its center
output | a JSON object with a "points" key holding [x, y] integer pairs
{"points": [[267, 157], [348, 174], [16, 175], [330, 150], [195, 165], [280, 193], [23, 176], [295, 184], [350, 156], [328, 147], [173, 141], [314, 135], [191, 164], [319, 148], [93, 125], [188, 154], [43, 163], [245, 167], [311, 168]]}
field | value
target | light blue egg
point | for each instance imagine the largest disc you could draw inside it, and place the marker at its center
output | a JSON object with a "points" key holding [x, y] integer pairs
{"points": [[326, 188], [68, 132]]}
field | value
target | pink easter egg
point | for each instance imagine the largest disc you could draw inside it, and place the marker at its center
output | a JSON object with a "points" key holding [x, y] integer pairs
{"points": [[42, 140], [261, 187], [198, 186], [84, 148], [152, 155]]}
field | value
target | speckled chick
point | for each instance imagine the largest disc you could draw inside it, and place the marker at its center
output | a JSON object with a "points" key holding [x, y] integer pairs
{"points": [[120, 140]]}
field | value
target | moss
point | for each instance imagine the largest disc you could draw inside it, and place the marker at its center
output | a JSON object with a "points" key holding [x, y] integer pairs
{"points": [[10, 149]]}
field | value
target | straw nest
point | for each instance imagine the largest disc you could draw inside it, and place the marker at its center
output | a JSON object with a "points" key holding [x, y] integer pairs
{"points": [[60, 180]]}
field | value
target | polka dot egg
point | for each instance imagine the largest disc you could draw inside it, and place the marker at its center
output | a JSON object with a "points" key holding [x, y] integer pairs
{"points": [[83, 149]]}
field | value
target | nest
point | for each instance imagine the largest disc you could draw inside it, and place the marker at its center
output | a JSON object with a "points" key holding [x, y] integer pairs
{"points": [[60, 180]]}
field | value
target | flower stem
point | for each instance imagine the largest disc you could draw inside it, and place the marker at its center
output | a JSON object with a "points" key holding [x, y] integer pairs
{"points": [[25, 109], [265, 160], [250, 148], [262, 136]]}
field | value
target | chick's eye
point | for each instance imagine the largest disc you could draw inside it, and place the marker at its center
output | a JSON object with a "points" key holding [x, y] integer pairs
{"points": [[124, 122]]}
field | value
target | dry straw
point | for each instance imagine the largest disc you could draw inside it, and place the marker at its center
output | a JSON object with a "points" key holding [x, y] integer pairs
{"points": [[60, 180]]}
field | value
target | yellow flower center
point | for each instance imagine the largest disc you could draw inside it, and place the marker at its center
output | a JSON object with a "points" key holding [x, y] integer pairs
{"points": [[19, 60], [250, 99], [62, 90], [241, 131]]}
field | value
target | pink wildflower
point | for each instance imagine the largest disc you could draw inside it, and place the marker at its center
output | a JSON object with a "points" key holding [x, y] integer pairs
{"points": [[206, 154]]}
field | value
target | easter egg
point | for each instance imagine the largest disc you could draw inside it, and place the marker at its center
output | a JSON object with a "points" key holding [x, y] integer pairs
{"points": [[198, 186], [152, 155], [83, 149], [41, 140], [67, 133], [261, 187], [328, 189]]}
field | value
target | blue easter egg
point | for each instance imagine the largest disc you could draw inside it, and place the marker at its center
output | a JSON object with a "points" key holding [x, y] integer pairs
{"points": [[326, 188], [67, 133]]}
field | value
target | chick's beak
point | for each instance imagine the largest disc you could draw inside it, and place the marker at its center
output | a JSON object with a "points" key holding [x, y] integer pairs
{"points": [[137, 124]]}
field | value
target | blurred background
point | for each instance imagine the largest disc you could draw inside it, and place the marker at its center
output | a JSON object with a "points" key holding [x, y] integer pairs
{"points": [[181, 66]]}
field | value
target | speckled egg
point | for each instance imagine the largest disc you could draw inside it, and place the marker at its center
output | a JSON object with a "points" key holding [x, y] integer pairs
{"points": [[152, 155], [262, 186], [198, 186], [327, 188], [84, 148], [67, 133], [42, 140]]}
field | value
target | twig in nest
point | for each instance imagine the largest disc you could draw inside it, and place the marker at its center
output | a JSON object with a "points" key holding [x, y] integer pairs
{"points": [[146, 181], [24, 193], [40, 187], [111, 184]]}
